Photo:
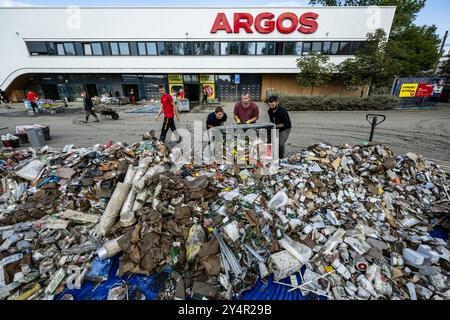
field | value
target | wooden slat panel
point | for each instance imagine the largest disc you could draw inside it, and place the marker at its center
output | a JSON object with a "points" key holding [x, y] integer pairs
{"points": [[287, 84]]}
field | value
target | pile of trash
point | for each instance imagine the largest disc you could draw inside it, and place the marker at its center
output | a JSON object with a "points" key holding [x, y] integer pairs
{"points": [[352, 222]]}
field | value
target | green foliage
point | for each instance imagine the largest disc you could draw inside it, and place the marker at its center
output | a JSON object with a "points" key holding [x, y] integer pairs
{"points": [[445, 69], [315, 70], [319, 103], [411, 50]]}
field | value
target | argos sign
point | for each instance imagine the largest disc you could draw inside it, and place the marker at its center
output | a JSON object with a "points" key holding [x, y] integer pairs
{"points": [[266, 22]]}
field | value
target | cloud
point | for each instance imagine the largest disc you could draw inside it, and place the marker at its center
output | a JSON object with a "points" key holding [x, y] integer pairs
{"points": [[13, 3], [292, 3]]}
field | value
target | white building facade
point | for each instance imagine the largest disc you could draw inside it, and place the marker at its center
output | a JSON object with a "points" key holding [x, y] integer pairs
{"points": [[61, 51]]}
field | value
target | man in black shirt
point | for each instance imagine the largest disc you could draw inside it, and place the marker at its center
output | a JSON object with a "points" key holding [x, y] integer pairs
{"points": [[280, 117], [216, 118]]}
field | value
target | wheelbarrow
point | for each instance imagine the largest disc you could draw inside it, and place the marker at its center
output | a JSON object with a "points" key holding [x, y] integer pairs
{"points": [[109, 112]]}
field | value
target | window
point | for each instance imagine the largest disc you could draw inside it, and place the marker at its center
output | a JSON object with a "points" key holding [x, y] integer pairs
{"points": [[216, 49], [356, 45], [141, 49], [188, 48], [51, 48], [151, 48], [326, 48], [306, 48], [334, 47], [97, 49], [229, 48], [60, 49], [36, 48], [344, 48], [279, 48], [161, 48], [248, 48], [120, 48], [69, 49], [87, 49], [114, 48], [169, 48], [317, 47], [178, 48], [264, 48], [197, 48], [124, 48], [293, 48]]}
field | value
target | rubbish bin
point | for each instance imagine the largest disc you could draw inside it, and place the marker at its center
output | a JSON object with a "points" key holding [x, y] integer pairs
{"points": [[36, 137]]}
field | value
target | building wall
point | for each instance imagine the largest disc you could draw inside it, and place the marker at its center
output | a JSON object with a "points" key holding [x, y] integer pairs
{"points": [[287, 84], [18, 25]]}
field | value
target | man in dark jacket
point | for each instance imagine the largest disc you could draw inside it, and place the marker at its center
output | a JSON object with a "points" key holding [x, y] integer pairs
{"points": [[88, 107], [280, 117]]}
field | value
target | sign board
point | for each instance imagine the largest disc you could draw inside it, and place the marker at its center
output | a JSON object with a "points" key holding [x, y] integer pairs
{"points": [[237, 78], [424, 90], [175, 78], [408, 90], [206, 78]]}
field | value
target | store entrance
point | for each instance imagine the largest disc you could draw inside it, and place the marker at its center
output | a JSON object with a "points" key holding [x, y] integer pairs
{"points": [[127, 90], [92, 90], [192, 92], [50, 91]]}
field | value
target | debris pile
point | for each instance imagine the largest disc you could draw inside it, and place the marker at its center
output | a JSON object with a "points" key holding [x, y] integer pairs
{"points": [[356, 222]]}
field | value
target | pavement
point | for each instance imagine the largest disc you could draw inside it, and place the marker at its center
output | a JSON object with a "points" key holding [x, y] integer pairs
{"points": [[426, 132]]}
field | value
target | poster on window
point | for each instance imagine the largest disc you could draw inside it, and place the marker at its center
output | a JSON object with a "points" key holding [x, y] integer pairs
{"points": [[209, 89]]}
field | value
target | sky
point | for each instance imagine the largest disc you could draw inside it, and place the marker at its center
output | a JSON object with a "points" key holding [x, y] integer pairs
{"points": [[436, 11]]}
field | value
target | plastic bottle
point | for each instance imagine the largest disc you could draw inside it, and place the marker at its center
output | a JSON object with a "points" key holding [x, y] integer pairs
{"points": [[341, 269], [278, 200]]}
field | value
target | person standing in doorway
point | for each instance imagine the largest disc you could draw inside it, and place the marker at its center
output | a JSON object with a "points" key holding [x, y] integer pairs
{"points": [[169, 109], [280, 117], [89, 107], [32, 97], [205, 95], [132, 98], [246, 111]]}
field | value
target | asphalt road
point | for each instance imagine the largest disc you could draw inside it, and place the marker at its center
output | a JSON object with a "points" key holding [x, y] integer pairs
{"points": [[425, 132]]}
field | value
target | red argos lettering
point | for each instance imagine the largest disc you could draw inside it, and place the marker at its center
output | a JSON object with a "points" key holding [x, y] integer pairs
{"points": [[221, 23]]}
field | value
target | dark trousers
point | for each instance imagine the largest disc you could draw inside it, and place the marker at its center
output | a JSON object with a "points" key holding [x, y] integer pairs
{"points": [[205, 99], [34, 106], [168, 123], [90, 112]]}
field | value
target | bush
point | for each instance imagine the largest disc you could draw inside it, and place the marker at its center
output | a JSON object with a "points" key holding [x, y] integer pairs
{"points": [[305, 103]]}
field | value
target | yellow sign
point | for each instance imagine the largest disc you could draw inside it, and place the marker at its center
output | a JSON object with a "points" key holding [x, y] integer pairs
{"points": [[175, 78], [408, 90], [209, 89], [206, 78]]}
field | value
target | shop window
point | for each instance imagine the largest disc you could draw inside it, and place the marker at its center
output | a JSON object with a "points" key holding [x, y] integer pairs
{"points": [[141, 49], [248, 48], [151, 48], [344, 48]]}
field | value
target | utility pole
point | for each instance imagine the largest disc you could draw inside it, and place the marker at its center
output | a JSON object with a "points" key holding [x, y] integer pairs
{"points": [[441, 52]]}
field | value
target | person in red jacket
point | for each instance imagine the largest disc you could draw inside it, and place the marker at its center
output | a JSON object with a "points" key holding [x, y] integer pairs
{"points": [[32, 97], [170, 110]]}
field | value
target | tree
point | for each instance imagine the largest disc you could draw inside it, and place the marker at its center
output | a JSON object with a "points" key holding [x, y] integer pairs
{"points": [[405, 14], [372, 65], [410, 51], [445, 68], [315, 70]]}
